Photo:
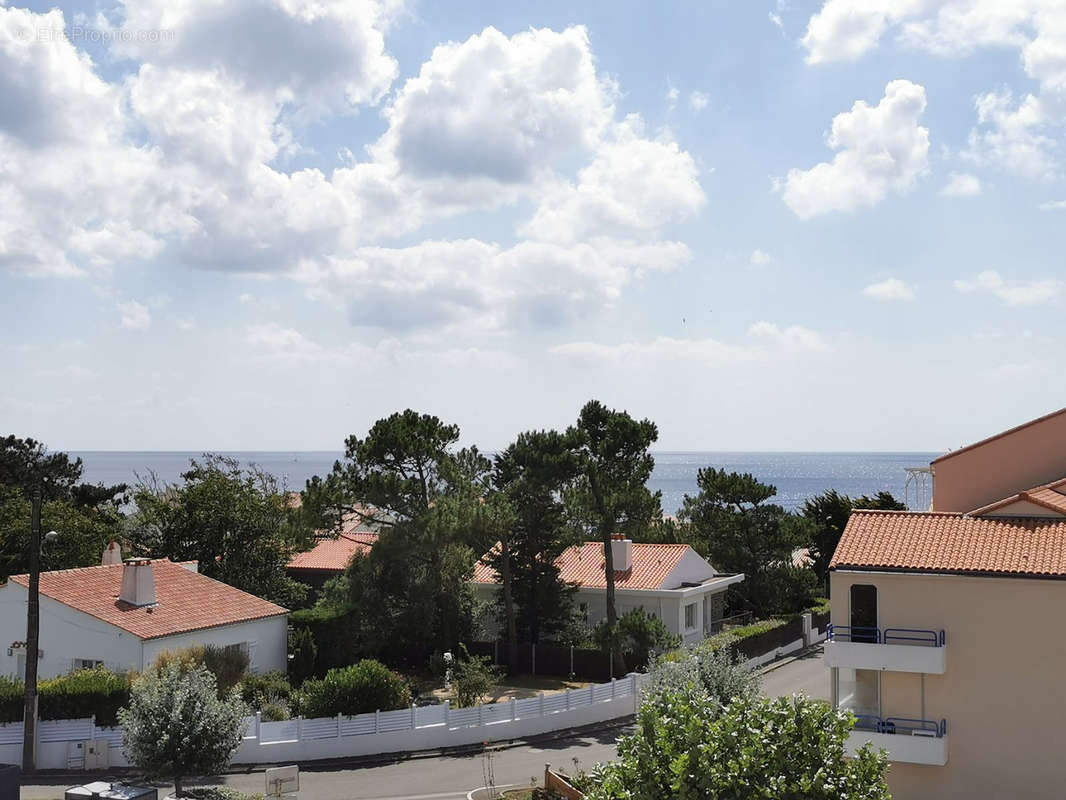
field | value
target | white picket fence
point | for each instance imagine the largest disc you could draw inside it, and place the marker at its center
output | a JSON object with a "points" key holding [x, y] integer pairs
{"points": [[406, 730]]}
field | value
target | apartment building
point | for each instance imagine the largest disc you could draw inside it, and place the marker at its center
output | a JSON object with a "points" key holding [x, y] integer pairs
{"points": [[946, 637]]}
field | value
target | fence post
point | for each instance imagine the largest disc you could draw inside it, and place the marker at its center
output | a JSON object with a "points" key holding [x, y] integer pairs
{"points": [[480, 715], [571, 659], [447, 710], [614, 688], [567, 699], [377, 720], [258, 722], [542, 704], [338, 725], [300, 727], [592, 694], [514, 709], [633, 689], [412, 716]]}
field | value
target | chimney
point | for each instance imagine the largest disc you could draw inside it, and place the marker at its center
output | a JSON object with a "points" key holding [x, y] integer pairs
{"points": [[622, 552], [112, 554], [138, 582]]}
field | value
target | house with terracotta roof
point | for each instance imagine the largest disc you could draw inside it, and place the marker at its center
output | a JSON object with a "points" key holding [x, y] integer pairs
{"points": [[122, 615], [331, 553], [946, 639], [671, 581]]}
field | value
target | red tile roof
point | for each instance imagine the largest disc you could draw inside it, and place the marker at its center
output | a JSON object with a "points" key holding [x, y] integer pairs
{"points": [[1051, 496], [582, 564], [333, 555], [953, 543], [185, 600]]}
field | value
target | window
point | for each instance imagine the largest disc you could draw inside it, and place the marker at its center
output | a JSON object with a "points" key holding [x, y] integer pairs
{"points": [[86, 663], [690, 616]]}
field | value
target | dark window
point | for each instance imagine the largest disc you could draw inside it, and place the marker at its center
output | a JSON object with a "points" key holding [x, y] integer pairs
{"points": [[863, 613]]}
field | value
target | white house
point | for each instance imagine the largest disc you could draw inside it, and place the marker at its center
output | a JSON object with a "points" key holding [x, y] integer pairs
{"points": [[671, 581], [123, 615]]}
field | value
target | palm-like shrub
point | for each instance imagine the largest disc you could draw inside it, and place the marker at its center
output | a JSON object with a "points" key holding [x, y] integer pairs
{"points": [[177, 726]]}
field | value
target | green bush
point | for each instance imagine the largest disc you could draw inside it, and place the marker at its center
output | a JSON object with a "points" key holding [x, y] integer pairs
{"points": [[358, 689], [636, 635], [262, 690], [228, 665], [95, 692], [331, 631], [473, 677], [743, 632], [304, 653]]}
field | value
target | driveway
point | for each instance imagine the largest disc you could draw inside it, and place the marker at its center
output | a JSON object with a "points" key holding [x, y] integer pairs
{"points": [[807, 674]]}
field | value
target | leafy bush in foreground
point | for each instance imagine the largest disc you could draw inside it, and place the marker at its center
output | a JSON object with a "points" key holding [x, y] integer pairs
{"points": [[358, 689]]}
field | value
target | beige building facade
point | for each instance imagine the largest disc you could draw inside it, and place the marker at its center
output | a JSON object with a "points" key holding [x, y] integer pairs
{"points": [[946, 637]]}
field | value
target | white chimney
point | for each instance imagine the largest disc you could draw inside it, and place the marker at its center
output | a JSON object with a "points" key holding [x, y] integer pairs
{"points": [[138, 582], [112, 554], [621, 552]]}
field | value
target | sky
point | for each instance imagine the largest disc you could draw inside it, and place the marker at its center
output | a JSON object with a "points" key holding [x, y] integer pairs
{"points": [[769, 225]]}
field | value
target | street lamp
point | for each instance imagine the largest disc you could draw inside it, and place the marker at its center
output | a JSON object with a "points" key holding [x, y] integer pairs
{"points": [[33, 635]]}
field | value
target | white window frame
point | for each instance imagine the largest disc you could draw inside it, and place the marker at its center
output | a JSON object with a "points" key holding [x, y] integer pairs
{"points": [[695, 614]]}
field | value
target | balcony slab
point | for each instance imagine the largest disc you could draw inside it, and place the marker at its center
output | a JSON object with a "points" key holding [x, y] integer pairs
{"points": [[903, 748], [894, 657]]}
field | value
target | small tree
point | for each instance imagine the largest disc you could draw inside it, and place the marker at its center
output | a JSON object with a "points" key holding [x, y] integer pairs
{"points": [[304, 651], [227, 665], [636, 635], [177, 726], [473, 677]]}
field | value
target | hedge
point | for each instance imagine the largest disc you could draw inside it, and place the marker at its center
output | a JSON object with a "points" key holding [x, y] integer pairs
{"points": [[331, 632], [95, 692], [359, 689]]}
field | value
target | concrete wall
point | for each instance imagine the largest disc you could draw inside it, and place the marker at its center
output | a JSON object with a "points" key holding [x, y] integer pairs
{"points": [[1002, 694], [1021, 459]]}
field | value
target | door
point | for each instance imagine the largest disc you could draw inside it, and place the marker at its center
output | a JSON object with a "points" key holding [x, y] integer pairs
{"points": [[863, 613]]}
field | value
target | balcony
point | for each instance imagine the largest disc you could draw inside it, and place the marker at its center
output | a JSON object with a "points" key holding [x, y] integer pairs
{"points": [[896, 649], [908, 741]]}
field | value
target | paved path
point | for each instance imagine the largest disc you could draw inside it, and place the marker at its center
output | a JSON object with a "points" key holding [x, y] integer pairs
{"points": [[807, 674], [439, 778]]}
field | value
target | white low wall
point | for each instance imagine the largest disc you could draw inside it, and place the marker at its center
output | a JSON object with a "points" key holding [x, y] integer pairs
{"points": [[425, 728]]}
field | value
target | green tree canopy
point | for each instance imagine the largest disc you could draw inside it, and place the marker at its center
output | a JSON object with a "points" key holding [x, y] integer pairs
{"points": [[686, 746], [237, 522], [740, 531], [610, 494], [827, 514]]}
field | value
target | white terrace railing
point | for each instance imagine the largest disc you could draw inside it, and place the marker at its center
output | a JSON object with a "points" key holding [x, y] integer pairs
{"points": [[382, 732]]}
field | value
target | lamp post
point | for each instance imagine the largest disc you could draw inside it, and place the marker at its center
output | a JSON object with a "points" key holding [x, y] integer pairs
{"points": [[33, 635]]}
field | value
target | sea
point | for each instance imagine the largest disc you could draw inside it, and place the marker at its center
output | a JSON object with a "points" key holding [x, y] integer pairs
{"points": [[797, 476]]}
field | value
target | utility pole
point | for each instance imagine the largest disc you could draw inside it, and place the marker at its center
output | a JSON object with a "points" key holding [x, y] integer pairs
{"points": [[33, 636]]}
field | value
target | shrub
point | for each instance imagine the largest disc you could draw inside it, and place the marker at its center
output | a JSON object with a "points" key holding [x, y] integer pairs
{"points": [[636, 635], [718, 675], [473, 677], [176, 725], [227, 664], [726, 638], [358, 689], [332, 632], [303, 653], [95, 692], [260, 690]]}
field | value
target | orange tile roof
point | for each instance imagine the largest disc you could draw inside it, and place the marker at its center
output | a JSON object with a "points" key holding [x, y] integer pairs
{"points": [[185, 600], [952, 543], [582, 565], [333, 555], [1051, 496]]}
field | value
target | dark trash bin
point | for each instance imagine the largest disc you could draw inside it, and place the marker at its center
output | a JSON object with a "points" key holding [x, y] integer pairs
{"points": [[9, 781]]}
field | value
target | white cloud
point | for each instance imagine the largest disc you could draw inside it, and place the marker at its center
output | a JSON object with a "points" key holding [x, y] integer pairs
{"points": [[760, 258], [775, 18], [1017, 136], [697, 101], [791, 339], [1053, 205], [889, 289], [961, 185], [1013, 293], [672, 94], [881, 149], [134, 315]]}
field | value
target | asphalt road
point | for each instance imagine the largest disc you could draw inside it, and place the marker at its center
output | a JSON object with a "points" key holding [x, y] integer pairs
{"points": [[451, 777]]}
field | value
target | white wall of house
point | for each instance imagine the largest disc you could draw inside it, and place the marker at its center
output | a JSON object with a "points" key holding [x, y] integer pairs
{"points": [[266, 642], [68, 634], [692, 568]]}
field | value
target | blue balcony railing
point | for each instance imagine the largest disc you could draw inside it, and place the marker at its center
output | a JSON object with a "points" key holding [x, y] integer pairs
{"points": [[868, 635], [905, 726]]}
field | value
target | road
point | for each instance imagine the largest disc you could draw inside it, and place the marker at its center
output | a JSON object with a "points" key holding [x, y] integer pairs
{"points": [[451, 777]]}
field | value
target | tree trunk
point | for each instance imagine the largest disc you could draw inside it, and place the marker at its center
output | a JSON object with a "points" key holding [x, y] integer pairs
{"points": [[608, 569], [508, 606], [178, 792], [33, 631]]}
